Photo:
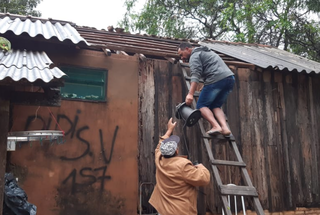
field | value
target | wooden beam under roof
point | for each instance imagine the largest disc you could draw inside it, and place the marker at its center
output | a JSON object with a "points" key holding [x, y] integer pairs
{"points": [[128, 48], [38, 83], [241, 64], [172, 60], [138, 49]]}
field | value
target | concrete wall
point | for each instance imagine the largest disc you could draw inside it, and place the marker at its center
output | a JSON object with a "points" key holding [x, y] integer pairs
{"points": [[95, 170]]}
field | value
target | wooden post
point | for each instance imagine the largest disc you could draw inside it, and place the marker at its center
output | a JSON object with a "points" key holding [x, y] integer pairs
{"points": [[4, 128]]}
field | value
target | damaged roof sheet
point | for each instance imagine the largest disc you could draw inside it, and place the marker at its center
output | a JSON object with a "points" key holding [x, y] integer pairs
{"points": [[265, 56], [35, 26], [31, 65]]}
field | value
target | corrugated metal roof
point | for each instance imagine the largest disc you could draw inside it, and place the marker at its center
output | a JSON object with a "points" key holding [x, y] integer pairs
{"points": [[19, 64], [35, 26], [264, 56]]}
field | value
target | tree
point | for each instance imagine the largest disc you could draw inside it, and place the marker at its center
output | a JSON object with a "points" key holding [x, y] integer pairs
{"points": [[21, 7], [176, 18], [280, 23], [305, 40]]}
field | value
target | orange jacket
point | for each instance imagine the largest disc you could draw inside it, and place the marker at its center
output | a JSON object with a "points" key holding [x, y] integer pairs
{"points": [[177, 178]]}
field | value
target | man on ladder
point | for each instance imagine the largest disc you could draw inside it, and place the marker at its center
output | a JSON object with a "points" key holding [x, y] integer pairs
{"points": [[218, 83]]}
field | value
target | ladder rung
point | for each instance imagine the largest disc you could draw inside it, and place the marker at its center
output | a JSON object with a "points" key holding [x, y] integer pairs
{"points": [[219, 136], [238, 190], [228, 163]]}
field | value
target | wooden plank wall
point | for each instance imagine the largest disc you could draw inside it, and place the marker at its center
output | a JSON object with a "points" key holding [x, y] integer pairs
{"points": [[274, 117], [161, 89], [146, 132]]}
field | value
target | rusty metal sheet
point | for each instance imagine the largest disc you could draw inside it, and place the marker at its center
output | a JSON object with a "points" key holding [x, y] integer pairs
{"points": [[133, 43]]}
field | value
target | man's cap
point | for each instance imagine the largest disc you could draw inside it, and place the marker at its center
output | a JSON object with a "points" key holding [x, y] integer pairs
{"points": [[169, 146]]}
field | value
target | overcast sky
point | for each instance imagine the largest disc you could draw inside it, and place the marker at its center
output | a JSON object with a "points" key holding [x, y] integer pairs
{"points": [[93, 13]]}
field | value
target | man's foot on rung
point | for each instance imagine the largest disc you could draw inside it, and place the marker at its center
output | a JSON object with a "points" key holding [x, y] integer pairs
{"points": [[213, 132], [226, 133]]}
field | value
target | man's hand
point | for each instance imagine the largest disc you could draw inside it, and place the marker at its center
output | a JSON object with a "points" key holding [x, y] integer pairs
{"points": [[171, 125], [189, 99]]}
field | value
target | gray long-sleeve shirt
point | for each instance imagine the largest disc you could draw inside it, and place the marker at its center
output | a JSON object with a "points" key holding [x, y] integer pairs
{"points": [[207, 65]]}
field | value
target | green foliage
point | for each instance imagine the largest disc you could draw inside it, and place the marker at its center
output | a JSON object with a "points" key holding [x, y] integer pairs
{"points": [[287, 24], [313, 5], [21, 7], [306, 41], [175, 18], [5, 44]]}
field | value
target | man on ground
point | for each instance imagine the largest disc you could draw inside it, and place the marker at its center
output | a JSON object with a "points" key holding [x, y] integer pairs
{"points": [[177, 178]]}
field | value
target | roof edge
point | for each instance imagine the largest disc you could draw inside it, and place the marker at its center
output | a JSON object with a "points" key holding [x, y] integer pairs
{"points": [[34, 18]]}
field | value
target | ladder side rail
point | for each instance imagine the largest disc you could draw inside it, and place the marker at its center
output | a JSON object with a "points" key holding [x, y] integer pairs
{"points": [[244, 171], [247, 180], [215, 171]]}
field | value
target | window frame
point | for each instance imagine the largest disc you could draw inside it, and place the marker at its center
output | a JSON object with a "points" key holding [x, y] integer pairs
{"points": [[74, 67]]}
